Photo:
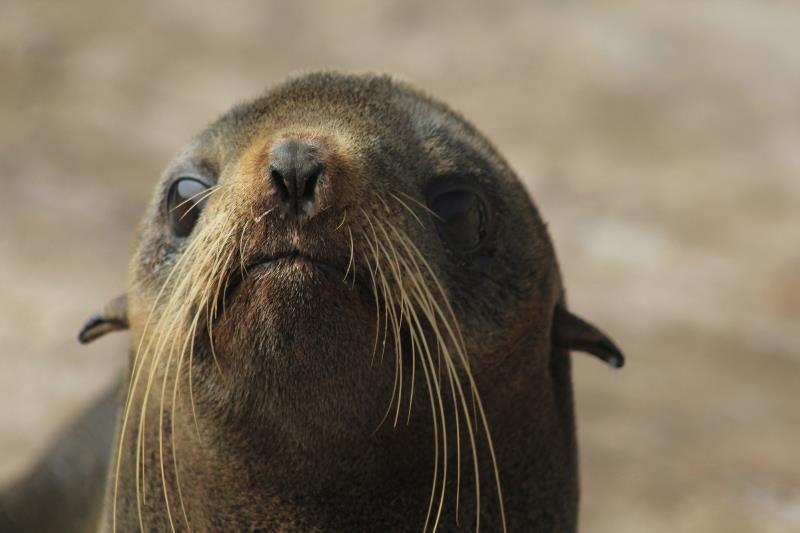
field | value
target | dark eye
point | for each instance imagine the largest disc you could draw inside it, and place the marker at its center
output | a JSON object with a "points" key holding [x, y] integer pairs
{"points": [[184, 202], [463, 216]]}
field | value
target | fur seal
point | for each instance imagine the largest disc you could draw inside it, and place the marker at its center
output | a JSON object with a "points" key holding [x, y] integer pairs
{"points": [[347, 315]]}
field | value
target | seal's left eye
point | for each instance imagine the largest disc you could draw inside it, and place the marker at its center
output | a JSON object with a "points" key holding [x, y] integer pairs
{"points": [[462, 216], [184, 202]]}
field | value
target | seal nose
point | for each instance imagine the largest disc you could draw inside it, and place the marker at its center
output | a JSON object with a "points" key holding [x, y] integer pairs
{"points": [[294, 171]]}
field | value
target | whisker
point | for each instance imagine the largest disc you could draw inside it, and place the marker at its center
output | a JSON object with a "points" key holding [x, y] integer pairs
{"points": [[242, 266], [350, 261], [423, 206], [390, 317], [428, 367], [205, 193], [418, 333], [407, 208], [344, 217], [456, 337], [394, 265], [428, 305], [191, 284], [161, 443], [377, 307], [140, 357], [260, 217]]}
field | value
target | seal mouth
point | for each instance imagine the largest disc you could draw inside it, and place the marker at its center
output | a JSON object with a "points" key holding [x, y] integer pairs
{"points": [[293, 256], [267, 263]]}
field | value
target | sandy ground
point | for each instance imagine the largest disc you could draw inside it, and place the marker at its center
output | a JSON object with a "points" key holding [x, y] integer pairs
{"points": [[661, 141]]}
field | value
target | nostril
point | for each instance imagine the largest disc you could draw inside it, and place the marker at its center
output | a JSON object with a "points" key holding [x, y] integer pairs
{"points": [[279, 182], [311, 182]]}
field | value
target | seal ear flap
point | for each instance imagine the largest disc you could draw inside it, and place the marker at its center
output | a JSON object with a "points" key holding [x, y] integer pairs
{"points": [[113, 317], [571, 332]]}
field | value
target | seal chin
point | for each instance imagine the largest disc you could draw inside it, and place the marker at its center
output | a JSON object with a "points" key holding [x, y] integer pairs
{"points": [[292, 317]]}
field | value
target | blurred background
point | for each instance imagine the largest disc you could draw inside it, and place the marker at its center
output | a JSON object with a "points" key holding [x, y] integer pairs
{"points": [[661, 141]]}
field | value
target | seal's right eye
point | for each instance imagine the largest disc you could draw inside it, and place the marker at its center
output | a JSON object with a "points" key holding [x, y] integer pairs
{"points": [[185, 200]]}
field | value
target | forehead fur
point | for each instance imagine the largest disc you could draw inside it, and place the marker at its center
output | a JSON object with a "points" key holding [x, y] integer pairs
{"points": [[378, 111]]}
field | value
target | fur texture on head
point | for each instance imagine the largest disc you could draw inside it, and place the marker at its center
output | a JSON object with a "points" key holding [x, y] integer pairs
{"points": [[356, 323]]}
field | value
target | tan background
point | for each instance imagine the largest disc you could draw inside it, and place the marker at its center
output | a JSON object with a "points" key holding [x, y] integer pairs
{"points": [[661, 141]]}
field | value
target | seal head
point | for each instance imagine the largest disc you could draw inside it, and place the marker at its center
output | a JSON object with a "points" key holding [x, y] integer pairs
{"points": [[347, 315]]}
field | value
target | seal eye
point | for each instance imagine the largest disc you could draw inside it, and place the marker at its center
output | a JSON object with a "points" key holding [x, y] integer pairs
{"points": [[462, 216], [184, 203]]}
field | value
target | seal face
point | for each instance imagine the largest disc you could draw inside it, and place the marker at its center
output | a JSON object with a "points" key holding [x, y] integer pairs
{"points": [[347, 316]]}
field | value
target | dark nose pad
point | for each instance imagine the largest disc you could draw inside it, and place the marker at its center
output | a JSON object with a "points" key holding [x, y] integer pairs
{"points": [[295, 171]]}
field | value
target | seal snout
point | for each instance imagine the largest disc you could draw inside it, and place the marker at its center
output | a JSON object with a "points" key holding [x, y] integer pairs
{"points": [[295, 171]]}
